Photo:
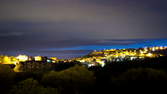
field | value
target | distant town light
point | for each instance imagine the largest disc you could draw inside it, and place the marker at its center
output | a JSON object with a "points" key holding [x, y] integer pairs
{"points": [[22, 58], [54, 58], [38, 58], [91, 65], [153, 49], [157, 48], [161, 48], [53, 61], [49, 61], [149, 55]]}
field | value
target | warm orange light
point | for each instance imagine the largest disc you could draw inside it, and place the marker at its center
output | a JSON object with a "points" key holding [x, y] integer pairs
{"points": [[149, 55], [54, 58]]}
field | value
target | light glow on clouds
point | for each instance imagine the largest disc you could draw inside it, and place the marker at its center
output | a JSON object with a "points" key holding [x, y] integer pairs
{"points": [[149, 43], [30, 25]]}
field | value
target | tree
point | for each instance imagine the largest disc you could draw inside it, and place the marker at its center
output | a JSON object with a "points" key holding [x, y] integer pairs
{"points": [[31, 86], [6, 77], [142, 76], [75, 78]]}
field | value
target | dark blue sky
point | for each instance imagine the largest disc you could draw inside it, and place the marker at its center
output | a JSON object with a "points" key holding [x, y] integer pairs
{"points": [[32, 26]]}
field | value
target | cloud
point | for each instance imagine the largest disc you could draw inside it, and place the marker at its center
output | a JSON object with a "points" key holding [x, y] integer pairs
{"points": [[76, 10], [144, 43], [9, 34], [40, 24]]}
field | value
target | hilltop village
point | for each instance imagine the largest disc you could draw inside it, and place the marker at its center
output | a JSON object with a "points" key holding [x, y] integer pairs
{"points": [[95, 58]]}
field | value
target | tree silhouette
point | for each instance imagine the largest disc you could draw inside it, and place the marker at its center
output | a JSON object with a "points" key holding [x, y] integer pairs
{"points": [[6, 77], [72, 79], [31, 86], [142, 76]]}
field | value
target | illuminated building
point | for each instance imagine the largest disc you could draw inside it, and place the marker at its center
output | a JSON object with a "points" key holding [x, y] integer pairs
{"points": [[49, 61], [54, 58], [22, 58], [6, 60], [149, 55], [161, 48], [38, 58], [53, 61], [117, 55], [96, 58]]}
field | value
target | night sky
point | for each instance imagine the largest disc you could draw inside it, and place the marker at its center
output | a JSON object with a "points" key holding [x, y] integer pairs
{"points": [[67, 28]]}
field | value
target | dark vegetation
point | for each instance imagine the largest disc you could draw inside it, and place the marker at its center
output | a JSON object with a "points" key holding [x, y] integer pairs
{"points": [[74, 78]]}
